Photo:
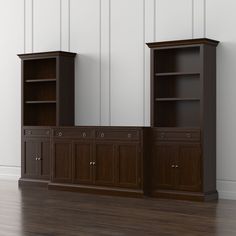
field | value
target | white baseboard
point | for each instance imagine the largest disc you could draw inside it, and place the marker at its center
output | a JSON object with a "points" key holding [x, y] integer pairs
{"points": [[10, 172], [226, 189]]}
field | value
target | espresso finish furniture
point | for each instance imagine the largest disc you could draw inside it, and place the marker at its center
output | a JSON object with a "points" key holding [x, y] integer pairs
{"points": [[99, 159], [183, 119], [36, 155], [175, 158], [47, 100], [47, 88]]}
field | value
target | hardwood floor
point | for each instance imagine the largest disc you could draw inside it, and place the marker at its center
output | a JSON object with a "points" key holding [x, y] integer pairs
{"points": [[39, 212]]}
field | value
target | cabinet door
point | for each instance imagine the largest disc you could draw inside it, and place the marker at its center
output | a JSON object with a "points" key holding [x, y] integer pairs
{"points": [[189, 167], [83, 159], [104, 171], [30, 153], [44, 163], [163, 162], [62, 162], [128, 165]]}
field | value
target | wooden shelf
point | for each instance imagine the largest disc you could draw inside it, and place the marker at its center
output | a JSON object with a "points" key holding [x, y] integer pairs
{"points": [[39, 102], [176, 99], [177, 74], [39, 80]]}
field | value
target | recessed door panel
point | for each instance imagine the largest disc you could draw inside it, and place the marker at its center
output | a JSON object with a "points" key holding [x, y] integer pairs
{"points": [[83, 163], [104, 164]]}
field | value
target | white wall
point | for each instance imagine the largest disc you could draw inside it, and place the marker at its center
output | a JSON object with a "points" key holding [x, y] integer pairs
{"points": [[112, 69], [12, 35]]}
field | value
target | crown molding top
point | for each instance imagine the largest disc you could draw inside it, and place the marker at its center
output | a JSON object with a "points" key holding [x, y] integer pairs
{"points": [[46, 54], [183, 42]]}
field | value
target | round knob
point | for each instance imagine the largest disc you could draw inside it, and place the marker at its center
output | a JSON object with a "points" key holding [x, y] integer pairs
{"points": [[94, 163], [173, 166], [36, 158], [84, 134], [90, 163], [102, 135], [129, 135], [60, 134], [176, 166]]}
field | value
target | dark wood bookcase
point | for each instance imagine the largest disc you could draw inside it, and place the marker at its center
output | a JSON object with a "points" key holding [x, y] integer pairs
{"points": [[47, 88], [183, 118], [47, 100]]}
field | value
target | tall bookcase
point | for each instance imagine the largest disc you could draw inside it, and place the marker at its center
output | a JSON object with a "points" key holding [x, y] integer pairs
{"points": [[48, 89], [47, 100], [183, 118]]}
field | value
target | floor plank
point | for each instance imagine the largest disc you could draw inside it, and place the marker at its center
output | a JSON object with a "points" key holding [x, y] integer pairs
{"points": [[40, 212]]}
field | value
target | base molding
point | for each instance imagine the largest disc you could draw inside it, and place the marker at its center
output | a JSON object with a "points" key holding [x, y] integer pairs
{"points": [[10, 172], [116, 191], [96, 189], [22, 182], [182, 195]]}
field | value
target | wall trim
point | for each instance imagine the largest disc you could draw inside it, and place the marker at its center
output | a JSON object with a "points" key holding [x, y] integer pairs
{"points": [[144, 63], [24, 26], [204, 14], [110, 115], [226, 189], [60, 25], [100, 62], [32, 26], [69, 25], [154, 20], [192, 19], [10, 172]]}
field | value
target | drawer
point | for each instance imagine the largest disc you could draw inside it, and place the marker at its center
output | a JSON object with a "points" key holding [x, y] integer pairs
{"points": [[37, 132], [188, 135], [118, 134], [73, 133]]}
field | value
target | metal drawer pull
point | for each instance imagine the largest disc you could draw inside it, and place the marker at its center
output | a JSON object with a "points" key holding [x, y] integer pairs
{"points": [[60, 134], [90, 163], [29, 132], [129, 135], [176, 166], [84, 134], [173, 166], [94, 163], [102, 135], [188, 135], [163, 135]]}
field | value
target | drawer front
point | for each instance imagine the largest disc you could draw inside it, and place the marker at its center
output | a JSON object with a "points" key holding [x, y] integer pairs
{"points": [[37, 132], [74, 133], [118, 134], [187, 135]]}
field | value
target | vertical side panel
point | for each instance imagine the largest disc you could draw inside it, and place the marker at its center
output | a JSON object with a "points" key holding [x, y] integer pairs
{"points": [[127, 60], [28, 26], [85, 40], [199, 19], [65, 27], [173, 19], [46, 25], [105, 62], [149, 37]]}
